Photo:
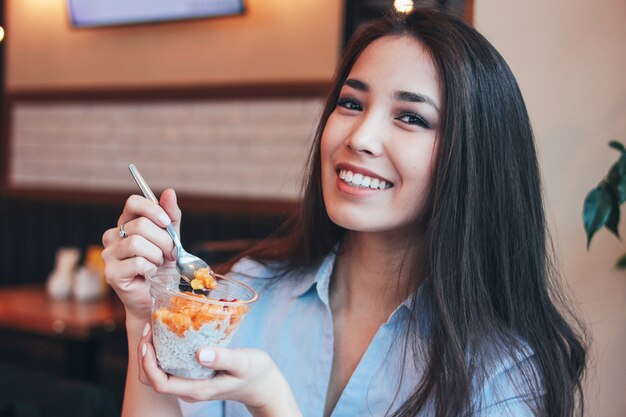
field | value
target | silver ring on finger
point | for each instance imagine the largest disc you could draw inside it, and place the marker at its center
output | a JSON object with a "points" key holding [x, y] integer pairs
{"points": [[122, 232]]}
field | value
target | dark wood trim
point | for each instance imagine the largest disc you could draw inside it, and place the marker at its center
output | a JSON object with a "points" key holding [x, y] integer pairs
{"points": [[314, 88], [191, 203], [5, 149]]}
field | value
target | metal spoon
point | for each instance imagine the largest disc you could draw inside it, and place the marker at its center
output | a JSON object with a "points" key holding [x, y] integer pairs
{"points": [[186, 263]]}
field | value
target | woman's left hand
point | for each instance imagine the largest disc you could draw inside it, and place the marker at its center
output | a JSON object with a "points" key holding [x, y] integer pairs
{"points": [[248, 376]]}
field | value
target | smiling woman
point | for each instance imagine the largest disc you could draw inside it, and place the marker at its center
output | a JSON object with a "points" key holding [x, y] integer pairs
{"points": [[414, 280], [383, 131]]}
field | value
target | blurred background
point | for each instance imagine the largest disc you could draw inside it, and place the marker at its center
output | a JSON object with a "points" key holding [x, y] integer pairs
{"points": [[219, 99]]}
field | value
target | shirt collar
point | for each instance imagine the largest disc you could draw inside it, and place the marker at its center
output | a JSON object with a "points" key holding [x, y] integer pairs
{"points": [[319, 277]]}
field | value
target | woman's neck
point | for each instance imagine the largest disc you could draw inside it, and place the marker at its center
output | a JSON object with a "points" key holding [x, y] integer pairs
{"points": [[372, 274]]}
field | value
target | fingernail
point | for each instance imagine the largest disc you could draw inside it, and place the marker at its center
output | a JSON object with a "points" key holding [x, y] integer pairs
{"points": [[144, 349], [206, 355], [146, 329], [164, 218]]}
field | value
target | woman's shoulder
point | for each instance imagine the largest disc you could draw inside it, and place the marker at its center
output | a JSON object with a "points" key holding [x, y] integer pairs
{"points": [[281, 277], [511, 383], [255, 274], [262, 274], [507, 353], [247, 268]]}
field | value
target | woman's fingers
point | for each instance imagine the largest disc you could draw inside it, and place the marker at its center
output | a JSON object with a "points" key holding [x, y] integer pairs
{"points": [[150, 374], [188, 389], [245, 375], [120, 273], [147, 218], [149, 371], [142, 350], [137, 206], [236, 362], [169, 203], [133, 255], [109, 236], [144, 238], [126, 278]]}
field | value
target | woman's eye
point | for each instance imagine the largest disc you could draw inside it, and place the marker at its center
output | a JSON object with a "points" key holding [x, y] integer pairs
{"points": [[413, 119], [350, 104]]}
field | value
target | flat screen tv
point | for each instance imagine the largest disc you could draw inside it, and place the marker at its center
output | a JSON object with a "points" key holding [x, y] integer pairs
{"points": [[91, 13]]}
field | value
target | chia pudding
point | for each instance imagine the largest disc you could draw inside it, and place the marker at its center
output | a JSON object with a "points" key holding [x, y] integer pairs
{"points": [[183, 321]]}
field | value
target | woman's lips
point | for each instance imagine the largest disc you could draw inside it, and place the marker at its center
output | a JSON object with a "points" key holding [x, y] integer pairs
{"points": [[363, 181], [361, 178]]}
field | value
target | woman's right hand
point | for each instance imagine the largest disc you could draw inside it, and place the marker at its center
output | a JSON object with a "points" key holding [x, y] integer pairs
{"points": [[147, 245]]}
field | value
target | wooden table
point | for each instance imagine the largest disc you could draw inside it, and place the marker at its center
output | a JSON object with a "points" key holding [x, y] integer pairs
{"points": [[81, 325]]}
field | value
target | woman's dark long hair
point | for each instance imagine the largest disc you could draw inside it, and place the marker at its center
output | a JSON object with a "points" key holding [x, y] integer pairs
{"points": [[486, 258]]}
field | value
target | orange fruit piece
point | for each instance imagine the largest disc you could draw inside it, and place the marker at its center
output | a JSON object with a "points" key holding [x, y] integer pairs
{"points": [[203, 279]]}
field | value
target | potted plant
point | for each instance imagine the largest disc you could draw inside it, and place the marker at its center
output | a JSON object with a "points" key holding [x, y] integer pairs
{"points": [[602, 204]]}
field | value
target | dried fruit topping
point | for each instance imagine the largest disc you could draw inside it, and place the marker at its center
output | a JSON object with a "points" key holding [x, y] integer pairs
{"points": [[183, 313], [203, 279]]}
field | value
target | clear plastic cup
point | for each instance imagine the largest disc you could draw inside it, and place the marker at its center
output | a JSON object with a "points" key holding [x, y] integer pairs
{"points": [[182, 322]]}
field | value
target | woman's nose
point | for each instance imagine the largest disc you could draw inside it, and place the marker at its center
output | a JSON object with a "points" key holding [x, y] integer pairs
{"points": [[367, 136]]}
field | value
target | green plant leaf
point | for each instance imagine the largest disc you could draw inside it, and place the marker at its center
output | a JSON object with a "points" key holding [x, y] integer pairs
{"points": [[616, 145], [596, 211], [613, 221], [613, 178], [621, 165], [621, 262], [621, 190]]}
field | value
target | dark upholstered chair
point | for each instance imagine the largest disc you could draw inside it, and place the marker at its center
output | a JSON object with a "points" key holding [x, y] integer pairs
{"points": [[27, 393]]}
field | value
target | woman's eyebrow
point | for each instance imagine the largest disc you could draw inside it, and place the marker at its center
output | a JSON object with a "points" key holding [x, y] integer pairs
{"points": [[415, 98], [399, 95], [356, 84]]}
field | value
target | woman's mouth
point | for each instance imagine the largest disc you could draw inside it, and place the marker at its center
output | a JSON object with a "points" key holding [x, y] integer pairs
{"points": [[363, 181]]}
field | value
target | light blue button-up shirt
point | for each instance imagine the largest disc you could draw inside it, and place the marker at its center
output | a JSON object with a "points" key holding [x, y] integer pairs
{"points": [[292, 322]]}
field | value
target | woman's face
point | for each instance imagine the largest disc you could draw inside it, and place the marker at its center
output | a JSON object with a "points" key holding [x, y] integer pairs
{"points": [[378, 145]]}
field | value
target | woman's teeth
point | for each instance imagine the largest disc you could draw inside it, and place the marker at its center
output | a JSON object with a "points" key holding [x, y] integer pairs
{"points": [[362, 181]]}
